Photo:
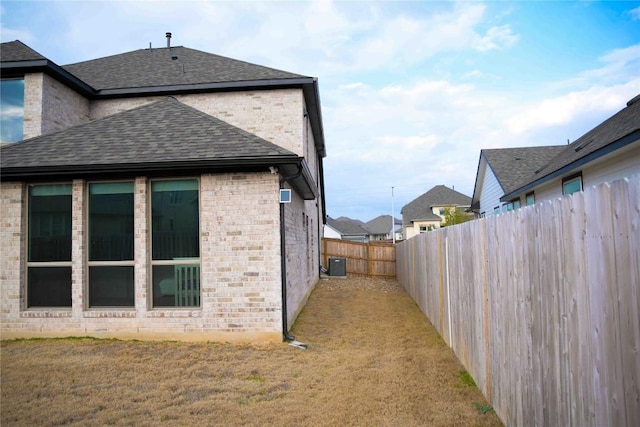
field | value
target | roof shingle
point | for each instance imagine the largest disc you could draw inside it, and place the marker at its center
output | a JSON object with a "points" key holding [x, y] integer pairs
{"points": [[513, 166], [162, 132], [169, 67], [439, 195], [17, 51]]}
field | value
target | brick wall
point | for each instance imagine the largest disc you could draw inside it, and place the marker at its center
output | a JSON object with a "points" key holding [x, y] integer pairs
{"points": [[274, 115], [50, 106], [302, 253], [240, 268]]}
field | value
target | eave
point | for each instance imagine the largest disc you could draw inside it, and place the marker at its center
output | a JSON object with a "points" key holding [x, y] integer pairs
{"points": [[620, 143], [303, 183]]}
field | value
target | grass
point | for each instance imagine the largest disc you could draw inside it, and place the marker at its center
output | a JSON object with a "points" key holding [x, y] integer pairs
{"points": [[373, 359], [466, 379]]}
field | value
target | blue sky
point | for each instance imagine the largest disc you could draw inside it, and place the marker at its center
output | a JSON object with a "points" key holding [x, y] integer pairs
{"points": [[411, 91]]}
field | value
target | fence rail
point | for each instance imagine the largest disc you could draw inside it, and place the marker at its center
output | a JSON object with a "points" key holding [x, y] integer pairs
{"points": [[369, 259], [541, 305]]}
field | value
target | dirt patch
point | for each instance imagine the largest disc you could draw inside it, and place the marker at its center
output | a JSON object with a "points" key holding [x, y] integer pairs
{"points": [[373, 359]]}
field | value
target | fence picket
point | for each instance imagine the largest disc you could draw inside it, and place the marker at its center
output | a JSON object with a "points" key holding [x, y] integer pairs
{"points": [[544, 305]]}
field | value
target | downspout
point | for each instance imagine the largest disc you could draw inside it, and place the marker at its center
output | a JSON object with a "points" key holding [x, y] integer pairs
{"points": [[283, 261]]}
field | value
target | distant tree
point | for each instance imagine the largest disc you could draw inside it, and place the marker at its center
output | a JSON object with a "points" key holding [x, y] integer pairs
{"points": [[454, 216]]}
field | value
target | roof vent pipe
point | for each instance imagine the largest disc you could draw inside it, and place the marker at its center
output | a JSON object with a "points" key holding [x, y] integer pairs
{"points": [[168, 39]]}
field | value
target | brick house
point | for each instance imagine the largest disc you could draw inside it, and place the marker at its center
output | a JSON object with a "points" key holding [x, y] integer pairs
{"points": [[162, 193]]}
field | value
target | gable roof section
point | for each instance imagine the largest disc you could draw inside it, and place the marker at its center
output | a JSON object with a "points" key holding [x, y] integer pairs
{"points": [[513, 166], [155, 72], [381, 224], [16, 51], [18, 59], [347, 226], [165, 137], [619, 130], [439, 195], [174, 66]]}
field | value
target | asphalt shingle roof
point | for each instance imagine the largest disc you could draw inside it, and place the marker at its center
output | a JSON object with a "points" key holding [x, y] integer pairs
{"points": [[592, 144], [169, 67], [165, 131], [18, 51], [439, 195], [381, 224], [513, 166], [347, 226]]}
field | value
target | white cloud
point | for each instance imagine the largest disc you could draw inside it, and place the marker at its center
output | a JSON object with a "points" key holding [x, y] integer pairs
{"points": [[10, 112], [567, 108], [496, 38], [635, 14]]}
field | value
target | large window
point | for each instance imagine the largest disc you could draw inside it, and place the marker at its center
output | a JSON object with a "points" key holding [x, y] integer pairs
{"points": [[572, 184], [111, 277], [175, 243], [11, 109], [49, 246]]}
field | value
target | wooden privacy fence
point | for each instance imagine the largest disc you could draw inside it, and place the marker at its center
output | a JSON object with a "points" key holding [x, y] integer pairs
{"points": [[541, 305], [370, 259]]}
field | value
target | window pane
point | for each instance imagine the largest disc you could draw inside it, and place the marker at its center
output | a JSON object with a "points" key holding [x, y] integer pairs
{"points": [[111, 221], [111, 286], [530, 199], [176, 285], [175, 219], [570, 187], [12, 109], [49, 223], [49, 287]]}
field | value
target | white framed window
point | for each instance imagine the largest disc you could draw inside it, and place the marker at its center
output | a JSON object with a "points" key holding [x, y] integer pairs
{"points": [[572, 184]]}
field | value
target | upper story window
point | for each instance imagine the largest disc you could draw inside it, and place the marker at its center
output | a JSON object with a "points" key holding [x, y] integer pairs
{"points": [[11, 109], [572, 184]]}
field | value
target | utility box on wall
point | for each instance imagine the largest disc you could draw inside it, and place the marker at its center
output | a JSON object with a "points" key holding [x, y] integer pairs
{"points": [[337, 266]]}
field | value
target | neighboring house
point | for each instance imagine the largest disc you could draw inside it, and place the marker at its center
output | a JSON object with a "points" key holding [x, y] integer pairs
{"points": [[381, 228], [146, 197], [349, 229], [502, 170], [331, 233], [606, 153], [427, 211]]}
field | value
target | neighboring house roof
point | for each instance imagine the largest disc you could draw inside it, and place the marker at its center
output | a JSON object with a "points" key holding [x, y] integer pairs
{"points": [[347, 226], [440, 195], [616, 132], [511, 166], [381, 224], [156, 137], [170, 66]]}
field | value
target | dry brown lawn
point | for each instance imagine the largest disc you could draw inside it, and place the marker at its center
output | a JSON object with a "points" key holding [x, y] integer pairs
{"points": [[373, 359]]}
